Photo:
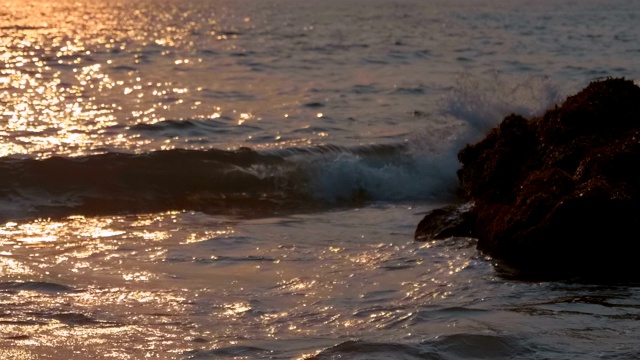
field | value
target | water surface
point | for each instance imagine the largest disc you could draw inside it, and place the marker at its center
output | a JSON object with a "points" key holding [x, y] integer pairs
{"points": [[242, 179]]}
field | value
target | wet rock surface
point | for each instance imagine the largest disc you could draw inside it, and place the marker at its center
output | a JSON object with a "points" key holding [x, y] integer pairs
{"points": [[559, 195], [446, 222]]}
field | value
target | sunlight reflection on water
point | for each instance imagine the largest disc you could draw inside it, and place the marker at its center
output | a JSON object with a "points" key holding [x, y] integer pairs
{"points": [[202, 278], [68, 64]]}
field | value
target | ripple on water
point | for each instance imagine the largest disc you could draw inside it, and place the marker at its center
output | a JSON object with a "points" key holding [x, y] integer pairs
{"points": [[232, 352], [39, 286], [457, 346]]}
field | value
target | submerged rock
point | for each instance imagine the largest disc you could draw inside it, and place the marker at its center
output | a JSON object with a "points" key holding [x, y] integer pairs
{"points": [[559, 195]]}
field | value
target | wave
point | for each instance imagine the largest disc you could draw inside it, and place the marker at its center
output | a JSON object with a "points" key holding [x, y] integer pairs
{"points": [[257, 183], [40, 286], [455, 346], [243, 181]]}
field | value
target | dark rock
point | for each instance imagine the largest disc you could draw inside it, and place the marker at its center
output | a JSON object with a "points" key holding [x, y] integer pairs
{"points": [[446, 222], [559, 195]]}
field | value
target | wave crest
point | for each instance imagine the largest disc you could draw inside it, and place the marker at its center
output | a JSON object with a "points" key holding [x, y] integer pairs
{"points": [[218, 181]]}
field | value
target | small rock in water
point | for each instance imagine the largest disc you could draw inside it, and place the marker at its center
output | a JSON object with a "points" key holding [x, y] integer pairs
{"points": [[443, 223]]}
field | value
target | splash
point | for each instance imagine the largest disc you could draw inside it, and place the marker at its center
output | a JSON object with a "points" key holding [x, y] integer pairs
{"points": [[481, 103]]}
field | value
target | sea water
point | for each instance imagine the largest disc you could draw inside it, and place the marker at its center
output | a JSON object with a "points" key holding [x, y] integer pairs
{"points": [[242, 179]]}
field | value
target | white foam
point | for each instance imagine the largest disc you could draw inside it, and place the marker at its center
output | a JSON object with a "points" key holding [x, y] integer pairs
{"points": [[482, 102], [347, 176], [425, 167]]}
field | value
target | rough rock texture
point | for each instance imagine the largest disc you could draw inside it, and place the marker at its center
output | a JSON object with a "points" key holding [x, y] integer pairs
{"points": [[446, 222], [559, 194]]}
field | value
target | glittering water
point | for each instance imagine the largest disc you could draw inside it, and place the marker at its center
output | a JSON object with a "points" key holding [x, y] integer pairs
{"points": [[134, 225]]}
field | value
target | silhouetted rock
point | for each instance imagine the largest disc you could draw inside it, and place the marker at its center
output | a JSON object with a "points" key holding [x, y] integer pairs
{"points": [[558, 195], [446, 222]]}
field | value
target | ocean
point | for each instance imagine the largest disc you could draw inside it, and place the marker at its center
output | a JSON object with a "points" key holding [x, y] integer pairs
{"points": [[242, 179]]}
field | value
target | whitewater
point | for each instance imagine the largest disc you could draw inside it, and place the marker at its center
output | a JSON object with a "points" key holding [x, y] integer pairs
{"points": [[242, 179]]}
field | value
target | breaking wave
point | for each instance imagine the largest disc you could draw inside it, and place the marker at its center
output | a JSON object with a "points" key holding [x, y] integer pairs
{"points": [[218, 181]]}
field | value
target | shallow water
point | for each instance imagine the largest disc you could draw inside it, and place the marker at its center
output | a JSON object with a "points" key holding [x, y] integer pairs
{"points": [[135, 226], [343, 283]]}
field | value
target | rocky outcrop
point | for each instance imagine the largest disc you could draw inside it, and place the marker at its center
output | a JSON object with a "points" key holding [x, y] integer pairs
{"points": [[559, 194]]}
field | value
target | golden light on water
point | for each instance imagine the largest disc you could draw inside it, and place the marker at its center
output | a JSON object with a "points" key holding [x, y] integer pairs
{"points": [[67, 82], [235, 309], [197, 237], [51, 111], [244, 117], [14, 267], [80, 281], [78, 77], [72, 242], [116, 280]]}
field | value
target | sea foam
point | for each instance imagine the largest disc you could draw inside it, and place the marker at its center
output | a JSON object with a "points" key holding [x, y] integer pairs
{"points": [[424, 167]]}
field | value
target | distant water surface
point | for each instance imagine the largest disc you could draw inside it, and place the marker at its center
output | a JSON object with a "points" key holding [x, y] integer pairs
{"points": [[242, 179]]}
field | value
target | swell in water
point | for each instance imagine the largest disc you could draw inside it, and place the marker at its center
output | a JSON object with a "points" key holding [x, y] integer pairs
{"points": [[216, 181]]}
